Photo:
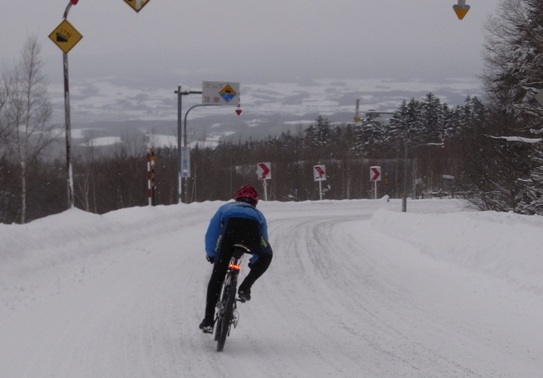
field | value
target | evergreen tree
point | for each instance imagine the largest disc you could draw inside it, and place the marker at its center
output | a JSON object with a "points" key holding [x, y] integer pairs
{"points": [[432, 119], [513, 77], [407, 122], [531, 197], [370, 135], [319, 133]]}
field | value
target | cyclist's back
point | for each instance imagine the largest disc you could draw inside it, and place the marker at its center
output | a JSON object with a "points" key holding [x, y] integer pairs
{"points": [[235, 222]]}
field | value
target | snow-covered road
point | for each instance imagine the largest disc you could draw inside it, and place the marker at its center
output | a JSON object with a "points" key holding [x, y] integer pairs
{"points": [[356, 289]]}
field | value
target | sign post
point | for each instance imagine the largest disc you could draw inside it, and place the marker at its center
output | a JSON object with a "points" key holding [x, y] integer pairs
{"points": [[319, 174], [263, 171], [375, 175], [65, 36], [213, 94]]}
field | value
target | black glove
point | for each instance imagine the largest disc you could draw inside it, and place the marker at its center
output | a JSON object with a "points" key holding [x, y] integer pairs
{"points": [[211, 259]]}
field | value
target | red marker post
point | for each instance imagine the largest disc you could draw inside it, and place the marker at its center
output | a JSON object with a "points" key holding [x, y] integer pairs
{"points": [[263, 171], [319, 174], [375, 175]]}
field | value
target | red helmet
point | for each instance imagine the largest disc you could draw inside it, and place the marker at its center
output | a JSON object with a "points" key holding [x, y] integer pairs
{"points": [[247, 194]]}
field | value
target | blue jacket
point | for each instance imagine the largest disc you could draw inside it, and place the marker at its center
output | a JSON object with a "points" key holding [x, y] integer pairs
{"points": [[236, 209]]}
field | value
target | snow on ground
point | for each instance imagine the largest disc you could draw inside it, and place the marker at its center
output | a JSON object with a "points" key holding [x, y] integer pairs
{"points": [[356, 289]]}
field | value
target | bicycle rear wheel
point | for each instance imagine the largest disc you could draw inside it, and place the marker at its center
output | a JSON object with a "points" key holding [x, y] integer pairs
{"points": [[224, 320]]}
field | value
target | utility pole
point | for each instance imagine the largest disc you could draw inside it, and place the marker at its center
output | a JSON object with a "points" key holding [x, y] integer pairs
{"points": [[65, 36], [181, 174]]}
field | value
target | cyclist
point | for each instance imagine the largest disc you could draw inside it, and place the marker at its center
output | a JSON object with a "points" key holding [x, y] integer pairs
{"points": [[235, 222]]}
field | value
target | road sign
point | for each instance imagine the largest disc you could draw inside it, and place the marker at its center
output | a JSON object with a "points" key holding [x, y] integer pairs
{"points": [[65, 36], [263, 170], [185, 161], [461, 9], [137, 5], [319, 173], [220, 93], [375, 173]]}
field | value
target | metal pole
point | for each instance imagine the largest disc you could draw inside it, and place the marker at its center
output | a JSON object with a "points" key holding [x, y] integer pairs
{"points": [[265, 185], [67, 120], [179, 106], [404, 199], [179, 124], [320, 190], [185, 140]]}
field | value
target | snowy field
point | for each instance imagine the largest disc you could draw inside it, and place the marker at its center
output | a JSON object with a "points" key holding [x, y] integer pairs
{"points": [[356, 289]]}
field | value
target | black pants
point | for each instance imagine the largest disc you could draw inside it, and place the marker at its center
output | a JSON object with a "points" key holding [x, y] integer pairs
{"points": [[246, 232]]}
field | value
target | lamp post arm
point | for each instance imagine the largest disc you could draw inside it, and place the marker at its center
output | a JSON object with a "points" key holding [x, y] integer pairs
{"points": [[67, 10], [185, 121]]}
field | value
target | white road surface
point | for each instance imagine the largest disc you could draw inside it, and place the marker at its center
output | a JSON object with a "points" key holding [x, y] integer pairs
{"points": [[356, 289]]}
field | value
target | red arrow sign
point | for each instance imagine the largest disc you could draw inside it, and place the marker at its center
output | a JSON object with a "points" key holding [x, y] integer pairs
{"points": [[375, 173], [263, 171], [320, 173]]}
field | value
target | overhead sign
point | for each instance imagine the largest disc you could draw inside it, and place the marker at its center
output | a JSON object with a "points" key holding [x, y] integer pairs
{"points": [[319, 173], [65, 36], [263, 170], [220, 93], [461, 9], [137, 5], [375, 173]]}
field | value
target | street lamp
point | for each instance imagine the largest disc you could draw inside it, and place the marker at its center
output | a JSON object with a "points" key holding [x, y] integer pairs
{"points": [[180, 95], [238, 112], [67, 118]]}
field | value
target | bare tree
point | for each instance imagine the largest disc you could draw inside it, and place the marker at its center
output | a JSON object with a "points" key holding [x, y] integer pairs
{"points": [[85, 183], [27, 112], [5, 129]]}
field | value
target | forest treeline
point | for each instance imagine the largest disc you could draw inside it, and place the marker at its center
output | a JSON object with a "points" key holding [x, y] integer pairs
{"points": [[488, 151], [445, 150]]}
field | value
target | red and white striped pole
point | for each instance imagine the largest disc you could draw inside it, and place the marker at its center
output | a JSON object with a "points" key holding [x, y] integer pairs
{"points": [[151, 176]]}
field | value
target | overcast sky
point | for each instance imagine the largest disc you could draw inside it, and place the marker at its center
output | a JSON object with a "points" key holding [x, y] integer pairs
{"points": [[254, 42]]}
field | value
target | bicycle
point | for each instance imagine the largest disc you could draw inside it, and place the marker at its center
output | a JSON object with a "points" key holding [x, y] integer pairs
{"points": [[227, 314]]}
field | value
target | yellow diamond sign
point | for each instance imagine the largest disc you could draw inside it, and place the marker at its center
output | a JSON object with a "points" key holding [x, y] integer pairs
{"points": [[137, 5], [65, 36]]}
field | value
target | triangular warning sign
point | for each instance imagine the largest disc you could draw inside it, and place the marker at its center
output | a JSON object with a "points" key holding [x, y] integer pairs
{"points": [[460, 10]]}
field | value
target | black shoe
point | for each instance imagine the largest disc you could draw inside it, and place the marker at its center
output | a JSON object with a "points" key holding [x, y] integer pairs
{"points": [[244, 294], [206, 326]]}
